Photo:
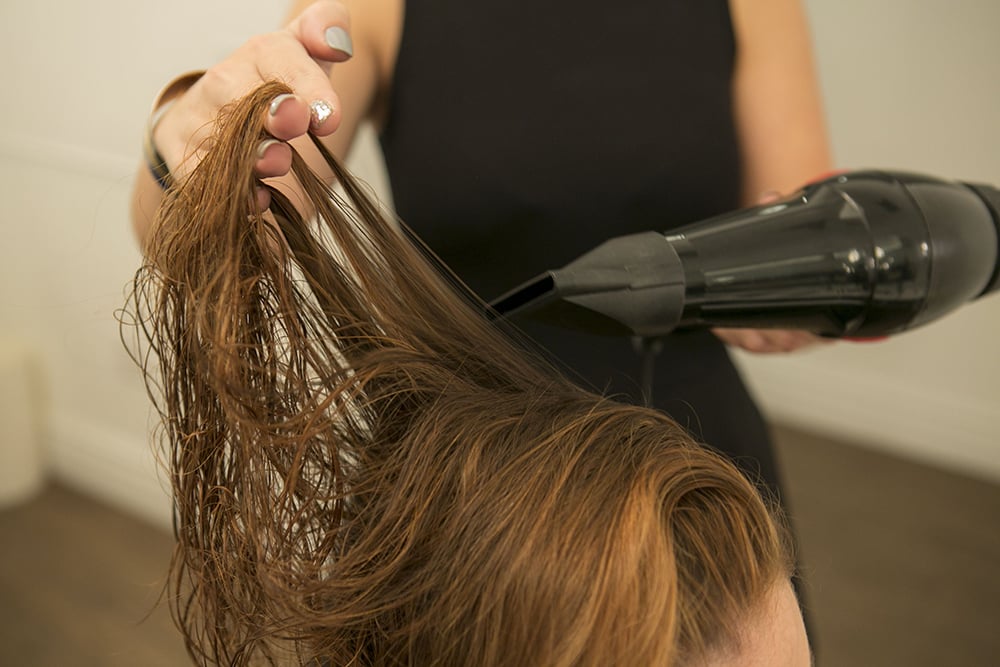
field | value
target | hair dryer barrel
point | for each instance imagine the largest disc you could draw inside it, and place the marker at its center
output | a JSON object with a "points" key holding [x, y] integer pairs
{"points": [[860, 254]]}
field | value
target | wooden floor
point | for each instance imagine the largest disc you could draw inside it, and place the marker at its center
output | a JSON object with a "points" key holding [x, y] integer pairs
{"points": [[79, 585], [903, 564], [902, 560]]}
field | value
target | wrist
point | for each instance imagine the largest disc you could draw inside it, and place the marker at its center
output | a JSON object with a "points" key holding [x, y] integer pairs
{"points": [[162, 102]]}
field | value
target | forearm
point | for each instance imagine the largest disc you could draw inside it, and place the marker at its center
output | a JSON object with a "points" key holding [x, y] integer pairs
{"points": [[146, 198], [779, 111]]}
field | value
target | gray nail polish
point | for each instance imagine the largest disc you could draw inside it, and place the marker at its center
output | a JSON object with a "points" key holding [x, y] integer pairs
{"points": [[264, 145], [277, 101], [337, 38]]}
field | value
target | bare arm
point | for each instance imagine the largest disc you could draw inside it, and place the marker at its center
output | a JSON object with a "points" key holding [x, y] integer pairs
{"points": [[779, 112]]}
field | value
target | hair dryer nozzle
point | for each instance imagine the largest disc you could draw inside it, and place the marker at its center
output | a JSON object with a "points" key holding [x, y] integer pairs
{"points": [[629, 285]]}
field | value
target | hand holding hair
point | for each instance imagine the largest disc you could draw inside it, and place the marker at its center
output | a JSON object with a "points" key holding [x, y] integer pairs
{"points": [[300, 55]]}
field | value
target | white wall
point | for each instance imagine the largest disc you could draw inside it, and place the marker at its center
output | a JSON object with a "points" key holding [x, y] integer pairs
{"points": [[908, 84], [79, 80]]}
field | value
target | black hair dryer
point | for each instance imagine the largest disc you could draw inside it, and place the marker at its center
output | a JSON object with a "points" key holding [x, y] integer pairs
{"points": [[859, 254]]}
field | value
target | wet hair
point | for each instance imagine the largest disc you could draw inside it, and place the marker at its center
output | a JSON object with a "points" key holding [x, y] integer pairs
{"points": [[367, 471]]}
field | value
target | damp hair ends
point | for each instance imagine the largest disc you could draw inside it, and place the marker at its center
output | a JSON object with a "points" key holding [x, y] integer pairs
{"points": [[367, 471]]}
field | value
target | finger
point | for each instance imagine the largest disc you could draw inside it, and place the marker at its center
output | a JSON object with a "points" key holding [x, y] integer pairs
{"points": [[756, 342], [263, 198], [768, 197], [750, 340], [790, 340], [313, 106], [274, 158], [300, 56], [804, 338], [288, 117], [324, 29], [765, 341], [317, 108]]}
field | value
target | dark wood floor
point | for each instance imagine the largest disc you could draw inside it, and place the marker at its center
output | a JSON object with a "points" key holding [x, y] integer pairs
{"points": [[903, 563], [79, 585], [902, 560]]}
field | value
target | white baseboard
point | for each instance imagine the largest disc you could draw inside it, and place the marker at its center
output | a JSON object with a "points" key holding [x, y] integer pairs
{"points": [[961, 434], [114, 467]]}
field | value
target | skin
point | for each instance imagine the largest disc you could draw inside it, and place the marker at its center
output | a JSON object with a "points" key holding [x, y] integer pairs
{"points": [[773, 635], [777, 103]]}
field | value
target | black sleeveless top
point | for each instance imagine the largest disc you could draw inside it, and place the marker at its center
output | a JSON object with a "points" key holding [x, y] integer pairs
{"points": [[520, 135]]}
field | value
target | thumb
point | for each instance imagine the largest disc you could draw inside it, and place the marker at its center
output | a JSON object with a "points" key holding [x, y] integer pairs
{"points": [[324, 29]]}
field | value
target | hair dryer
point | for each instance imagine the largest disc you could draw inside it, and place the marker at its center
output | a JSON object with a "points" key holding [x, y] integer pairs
{"points": [[864, 253]]}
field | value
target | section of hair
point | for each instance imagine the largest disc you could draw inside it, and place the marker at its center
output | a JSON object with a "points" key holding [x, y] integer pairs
{"points": [[367, 471]]}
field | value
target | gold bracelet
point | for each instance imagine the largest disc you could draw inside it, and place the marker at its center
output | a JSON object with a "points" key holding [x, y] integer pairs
{"points": [[167, 96]]}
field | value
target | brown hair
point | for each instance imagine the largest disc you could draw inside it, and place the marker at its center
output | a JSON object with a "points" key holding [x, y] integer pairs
{"points": [[367, 471]]}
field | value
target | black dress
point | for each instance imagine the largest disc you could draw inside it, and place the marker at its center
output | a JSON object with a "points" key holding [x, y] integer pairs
{"points": [[520, 135]]}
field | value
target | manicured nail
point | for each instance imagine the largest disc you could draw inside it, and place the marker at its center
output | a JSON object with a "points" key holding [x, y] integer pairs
{"points": [[278, 101], [320, 110], [339, 40], [263, 146]]}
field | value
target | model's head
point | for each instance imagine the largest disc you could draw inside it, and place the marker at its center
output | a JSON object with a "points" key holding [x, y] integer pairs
{"points": [[367, 471]]}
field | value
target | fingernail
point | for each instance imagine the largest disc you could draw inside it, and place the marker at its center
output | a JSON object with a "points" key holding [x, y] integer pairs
{"points": [[339, 40], [278, 101], [320, 110], [263, 146]]}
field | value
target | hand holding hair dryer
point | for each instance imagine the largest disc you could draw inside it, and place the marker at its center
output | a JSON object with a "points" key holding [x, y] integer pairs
{"points": [[863, 253]]}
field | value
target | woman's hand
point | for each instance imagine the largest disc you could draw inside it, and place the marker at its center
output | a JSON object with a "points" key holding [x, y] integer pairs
{"points": [[300, 55], [769, 340]]}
